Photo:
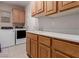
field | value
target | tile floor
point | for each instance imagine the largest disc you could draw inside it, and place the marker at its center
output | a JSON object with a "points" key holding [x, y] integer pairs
{"points": [[18, 51]]}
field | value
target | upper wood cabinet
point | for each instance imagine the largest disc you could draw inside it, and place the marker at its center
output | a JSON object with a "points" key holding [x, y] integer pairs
{"points": [[22, 16], [15, 14], [65, 5], [50, 7], [40, 6], [33, 8], [18, 15], [37, 7], [46, 8]]}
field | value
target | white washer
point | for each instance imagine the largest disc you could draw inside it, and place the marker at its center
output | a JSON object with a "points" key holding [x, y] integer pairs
{"points": [[7, 38]]}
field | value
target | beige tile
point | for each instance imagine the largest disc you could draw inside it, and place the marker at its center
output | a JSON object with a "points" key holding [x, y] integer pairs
{"points": [[18, 51]]}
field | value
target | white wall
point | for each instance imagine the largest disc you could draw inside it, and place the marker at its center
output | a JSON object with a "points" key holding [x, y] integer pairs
{"points": [[31, 22], [7, 8], [65, 24]]}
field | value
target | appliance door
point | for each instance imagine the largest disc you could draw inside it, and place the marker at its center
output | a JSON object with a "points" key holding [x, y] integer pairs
{"points": [[20, 36], [7, 38]]}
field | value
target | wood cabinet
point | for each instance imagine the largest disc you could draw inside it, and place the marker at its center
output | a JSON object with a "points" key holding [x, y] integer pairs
{"points": [[18, 16], [44, 47], [50, 7], [65, 5], [33, 49], [31, 44], [21, 16], [58, 54], [68, 48], [55, 53], [44, 40], [28, 46], [40, 6], [40, 46], [37, 7], [15, 15], [46, 8], [34, 8], [43, 51]]}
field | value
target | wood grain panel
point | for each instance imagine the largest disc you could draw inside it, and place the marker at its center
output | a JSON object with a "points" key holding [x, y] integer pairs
{"points": [[22, 16], [33, 49], [34, 11], [65, 5], [57, 54], [50, 7], [15, 14], [66, 2], [67, 48], [45, 40], [28, 46], [44, 51], [32, 36], [40, 6]]}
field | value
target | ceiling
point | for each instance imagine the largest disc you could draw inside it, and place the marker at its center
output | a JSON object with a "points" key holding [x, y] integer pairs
{"points": [[20, 3]]}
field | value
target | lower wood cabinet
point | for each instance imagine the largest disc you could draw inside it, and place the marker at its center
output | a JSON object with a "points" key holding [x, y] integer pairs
{"points": [[46, 47], [33, 49], [57, 54], [43, 51], [28, 46], [67, 47]]}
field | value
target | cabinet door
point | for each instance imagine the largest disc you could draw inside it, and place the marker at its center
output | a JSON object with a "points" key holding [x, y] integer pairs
{"points": [[57, 54], [43, 51], [22, 16], [33, 49], [44, 40], [65, 5], [40, 6], [28, 46], [50, 7], [33, 8], [15, 14]]}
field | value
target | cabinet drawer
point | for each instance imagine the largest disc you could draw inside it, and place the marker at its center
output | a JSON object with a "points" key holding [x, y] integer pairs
{"points": [[57, 54], [67, 48], [32, 36], [44, 40]]}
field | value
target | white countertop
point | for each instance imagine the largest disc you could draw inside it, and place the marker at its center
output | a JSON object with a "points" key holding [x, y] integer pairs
{"points": [[69, 37]]}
